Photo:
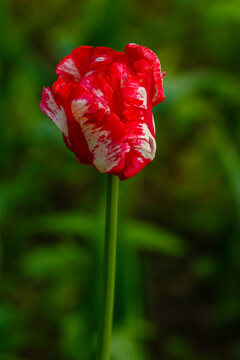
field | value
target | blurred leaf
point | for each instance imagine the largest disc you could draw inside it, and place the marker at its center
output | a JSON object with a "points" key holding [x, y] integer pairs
{"points": [[81, 224], [54, 261], [152, 238]]}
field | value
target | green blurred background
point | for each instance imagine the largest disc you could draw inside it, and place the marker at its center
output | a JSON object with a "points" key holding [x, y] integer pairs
{"points": [[178, 268]]}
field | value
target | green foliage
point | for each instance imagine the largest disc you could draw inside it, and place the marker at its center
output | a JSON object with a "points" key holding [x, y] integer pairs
{"points": [[178, 268]]}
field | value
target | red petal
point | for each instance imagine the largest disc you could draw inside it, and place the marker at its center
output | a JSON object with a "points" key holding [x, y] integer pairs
{"points": [[98, 86], [138, 120], [135, 53], [63, 88], [76, 142], [119, 73], [143, 147], [81, 57], [105, 135], [88, 105]]}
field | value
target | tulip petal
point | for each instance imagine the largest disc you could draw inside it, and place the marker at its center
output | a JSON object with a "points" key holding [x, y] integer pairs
{"points": [[56, 113], [98, 86], [134, 95], [142, 151], [139, 125], [76, 142], [108, 150], [134, 53], [64, 88], [90, 106], [105, 137], [81, 57], [144, 142], [67, 66], [119, 74]]}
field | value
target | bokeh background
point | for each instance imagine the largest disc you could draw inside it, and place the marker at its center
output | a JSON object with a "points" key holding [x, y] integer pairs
{"points": [[178, 268]]}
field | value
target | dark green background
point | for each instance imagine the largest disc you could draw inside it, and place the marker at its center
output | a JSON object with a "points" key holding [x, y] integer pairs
{"points": [[178, 282]]}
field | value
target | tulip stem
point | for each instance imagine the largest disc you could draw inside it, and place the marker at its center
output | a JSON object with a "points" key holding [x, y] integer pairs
{"points": [[109, 265]]}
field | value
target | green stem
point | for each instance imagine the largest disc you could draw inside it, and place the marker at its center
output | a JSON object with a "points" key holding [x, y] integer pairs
{"points": [[109, 265]]}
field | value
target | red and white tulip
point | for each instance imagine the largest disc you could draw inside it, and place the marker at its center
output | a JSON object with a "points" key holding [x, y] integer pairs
{"points": [[102, 103]]}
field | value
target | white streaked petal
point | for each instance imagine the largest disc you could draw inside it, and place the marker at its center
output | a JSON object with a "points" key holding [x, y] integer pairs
{"points": [[156, 93], [98, 93], [145, 143], [142, 96], [79, 108], [106, 154], [134, 95], [89, 73], [53, 111], [68, 67], [100, 58]]}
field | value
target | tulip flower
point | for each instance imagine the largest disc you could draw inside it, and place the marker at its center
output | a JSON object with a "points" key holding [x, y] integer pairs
{"points": [[102, 103]]}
